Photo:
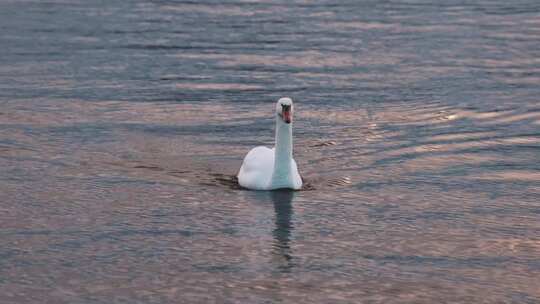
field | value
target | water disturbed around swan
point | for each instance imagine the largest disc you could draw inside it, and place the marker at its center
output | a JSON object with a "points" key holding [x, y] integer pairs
{"points": [[123, 124]]}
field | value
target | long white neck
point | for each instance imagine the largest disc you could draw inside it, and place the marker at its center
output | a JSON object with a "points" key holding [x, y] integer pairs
{"points": [[283, 153]]}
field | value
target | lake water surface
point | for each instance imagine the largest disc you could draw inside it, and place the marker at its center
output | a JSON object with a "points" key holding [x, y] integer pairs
{"points": [[417, 128]]}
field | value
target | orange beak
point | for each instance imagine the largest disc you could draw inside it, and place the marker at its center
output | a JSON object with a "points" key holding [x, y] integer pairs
{"points": [[287, 118]]}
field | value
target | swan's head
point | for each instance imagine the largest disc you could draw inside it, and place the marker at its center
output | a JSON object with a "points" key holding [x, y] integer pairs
{"points": [[284, 109]]}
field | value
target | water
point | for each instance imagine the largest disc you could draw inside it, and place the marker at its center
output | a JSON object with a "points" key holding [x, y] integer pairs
{"points": [[417, 128]]}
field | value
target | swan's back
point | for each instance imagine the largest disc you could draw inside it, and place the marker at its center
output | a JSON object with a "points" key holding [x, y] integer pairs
{"points": [[257, 168]]}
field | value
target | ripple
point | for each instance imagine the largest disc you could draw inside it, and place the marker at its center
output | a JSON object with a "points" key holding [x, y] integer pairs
{"points": [[416, 133]]}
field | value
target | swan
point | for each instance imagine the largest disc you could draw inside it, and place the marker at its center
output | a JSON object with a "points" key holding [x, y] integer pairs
{"points": [[270, 169]]}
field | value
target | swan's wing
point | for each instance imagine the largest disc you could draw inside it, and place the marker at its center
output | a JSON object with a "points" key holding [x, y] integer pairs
{"points": [[297, 178], [256, 170], [259, 158]]}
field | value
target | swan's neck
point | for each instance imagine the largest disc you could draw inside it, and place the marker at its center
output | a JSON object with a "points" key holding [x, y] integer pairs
{"points": [[283, 153]]}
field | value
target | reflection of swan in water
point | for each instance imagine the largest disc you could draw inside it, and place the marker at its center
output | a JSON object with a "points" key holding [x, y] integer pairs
{"points": [[282, 232]]}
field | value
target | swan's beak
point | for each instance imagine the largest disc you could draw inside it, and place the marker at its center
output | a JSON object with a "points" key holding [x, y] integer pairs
{"points": [[287, 118]]}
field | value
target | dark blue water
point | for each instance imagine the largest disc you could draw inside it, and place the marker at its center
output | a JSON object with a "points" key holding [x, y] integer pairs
{"points": [[417, 129]]}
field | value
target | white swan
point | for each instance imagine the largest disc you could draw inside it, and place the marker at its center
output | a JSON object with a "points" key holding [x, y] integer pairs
{"points": [[269, 169]]}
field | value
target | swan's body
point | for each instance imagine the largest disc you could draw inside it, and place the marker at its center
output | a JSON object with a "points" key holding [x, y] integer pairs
{"points": [[269, 169]]}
